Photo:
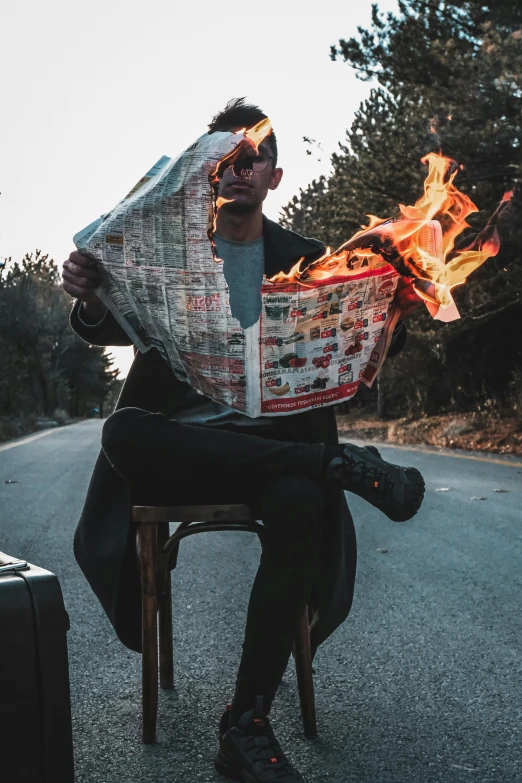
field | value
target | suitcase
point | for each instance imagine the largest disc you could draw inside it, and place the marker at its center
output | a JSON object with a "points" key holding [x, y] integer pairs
{"points": [[35, 705]]}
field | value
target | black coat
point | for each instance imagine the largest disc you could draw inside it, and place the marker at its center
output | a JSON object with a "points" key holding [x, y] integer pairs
{"points": [[104, 543]]}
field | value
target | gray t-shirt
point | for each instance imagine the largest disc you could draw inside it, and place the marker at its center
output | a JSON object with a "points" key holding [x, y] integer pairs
{"points": [[243, 267]]}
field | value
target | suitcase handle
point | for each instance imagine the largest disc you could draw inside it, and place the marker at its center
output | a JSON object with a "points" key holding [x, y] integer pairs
{"points": [[15, 565]]}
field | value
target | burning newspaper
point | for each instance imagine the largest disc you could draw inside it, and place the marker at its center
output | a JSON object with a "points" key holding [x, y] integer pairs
{"points": [[322, 330]]}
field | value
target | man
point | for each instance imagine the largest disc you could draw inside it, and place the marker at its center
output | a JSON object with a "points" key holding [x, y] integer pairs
{"points": [[166, 443]]}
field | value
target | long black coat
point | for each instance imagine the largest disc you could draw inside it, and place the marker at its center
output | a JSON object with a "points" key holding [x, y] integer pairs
{"points": [[104, 543]]}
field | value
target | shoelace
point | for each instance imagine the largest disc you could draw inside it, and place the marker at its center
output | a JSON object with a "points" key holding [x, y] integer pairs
{"points": [[379, 480], [270, 757]]}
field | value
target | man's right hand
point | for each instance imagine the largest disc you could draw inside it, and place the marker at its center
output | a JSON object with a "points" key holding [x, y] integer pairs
{"points": [[80, 277]]}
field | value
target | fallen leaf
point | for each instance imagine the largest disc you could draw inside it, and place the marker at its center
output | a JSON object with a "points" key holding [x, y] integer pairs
{"points": [[382, 550], [11, 481], [476, 497], [444, 489], [501, 490]]}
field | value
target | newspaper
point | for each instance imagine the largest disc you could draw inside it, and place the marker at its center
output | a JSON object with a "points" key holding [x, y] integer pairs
{"points": [[316, 344], [315, 341]]}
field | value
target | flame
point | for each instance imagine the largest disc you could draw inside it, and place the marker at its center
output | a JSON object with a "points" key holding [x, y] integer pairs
{"points": [[419, 244], [213, 217], [259, 132], [251, 138]]}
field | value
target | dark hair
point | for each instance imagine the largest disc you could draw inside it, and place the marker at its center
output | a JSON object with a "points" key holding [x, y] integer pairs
{"points": [[238, 114]]}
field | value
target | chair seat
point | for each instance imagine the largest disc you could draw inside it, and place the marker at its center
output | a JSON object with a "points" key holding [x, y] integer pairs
{"points": [[207, 513]]}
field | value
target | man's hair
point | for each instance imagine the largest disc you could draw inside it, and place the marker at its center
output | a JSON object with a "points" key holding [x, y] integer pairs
{"points": [[238, 114]]}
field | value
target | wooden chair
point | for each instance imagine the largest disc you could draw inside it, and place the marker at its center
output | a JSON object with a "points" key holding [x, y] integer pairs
{"points": [[157, 554]]}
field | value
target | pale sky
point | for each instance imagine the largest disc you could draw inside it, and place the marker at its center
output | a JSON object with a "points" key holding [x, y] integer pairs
{"points": [[91, 94]]}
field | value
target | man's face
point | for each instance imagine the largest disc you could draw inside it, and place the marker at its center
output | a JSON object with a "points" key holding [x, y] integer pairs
{"points": [[247, 187]]}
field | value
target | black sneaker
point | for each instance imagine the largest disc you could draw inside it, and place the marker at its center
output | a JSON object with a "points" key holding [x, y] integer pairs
{"points": [[396, 491], [250, 752]]}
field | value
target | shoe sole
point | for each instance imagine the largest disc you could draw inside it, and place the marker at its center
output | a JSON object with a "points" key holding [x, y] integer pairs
{"points": [[418, 488], [416, 482], [415, 479]]}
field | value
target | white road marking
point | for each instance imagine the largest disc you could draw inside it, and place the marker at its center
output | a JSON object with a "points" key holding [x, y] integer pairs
{"points": [[30, 438], [514, 463]]}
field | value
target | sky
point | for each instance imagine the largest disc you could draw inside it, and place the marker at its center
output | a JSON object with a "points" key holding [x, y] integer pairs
{"points": [[92, 94]]}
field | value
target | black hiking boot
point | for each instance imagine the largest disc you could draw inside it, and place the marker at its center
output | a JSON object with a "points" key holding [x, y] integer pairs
{"points": [[396, 491], [249, 752]]}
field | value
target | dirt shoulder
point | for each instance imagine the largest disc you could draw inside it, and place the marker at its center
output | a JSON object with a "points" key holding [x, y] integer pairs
{"points": [[471, 431]]}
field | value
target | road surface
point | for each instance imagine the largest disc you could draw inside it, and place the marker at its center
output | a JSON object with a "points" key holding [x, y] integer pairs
{"points": [[422, 684]]}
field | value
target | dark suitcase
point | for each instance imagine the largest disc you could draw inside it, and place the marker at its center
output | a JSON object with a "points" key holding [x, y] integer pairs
{"points": [[35, 704]]}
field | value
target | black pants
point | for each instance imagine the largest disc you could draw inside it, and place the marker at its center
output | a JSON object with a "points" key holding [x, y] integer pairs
{"points": [[171, 462]]}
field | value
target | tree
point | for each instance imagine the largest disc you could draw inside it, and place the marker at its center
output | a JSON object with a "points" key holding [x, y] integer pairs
{"points": [[449, 78], [44, 364]]}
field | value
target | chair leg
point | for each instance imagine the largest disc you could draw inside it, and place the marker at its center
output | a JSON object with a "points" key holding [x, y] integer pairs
{"points": [[165, 613], [147, 552], [305, 681]]}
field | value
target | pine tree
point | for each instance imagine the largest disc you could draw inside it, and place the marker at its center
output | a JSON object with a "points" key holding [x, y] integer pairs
{"points": [[45, 365], [449, 78]]}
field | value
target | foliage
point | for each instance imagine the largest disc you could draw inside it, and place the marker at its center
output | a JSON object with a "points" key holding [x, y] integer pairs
{"points": [[45, 366], [449, 79]]}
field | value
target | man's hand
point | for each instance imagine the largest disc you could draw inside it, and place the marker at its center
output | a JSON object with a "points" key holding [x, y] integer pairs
{"points": [[80, 277], [406, 297]]}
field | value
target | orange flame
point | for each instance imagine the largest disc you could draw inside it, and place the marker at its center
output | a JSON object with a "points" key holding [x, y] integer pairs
{"points": [[251, 138], [219, 201], [419, 244], [259, 132]]}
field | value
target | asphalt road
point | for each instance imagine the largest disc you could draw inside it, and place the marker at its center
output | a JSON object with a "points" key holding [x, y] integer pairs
{"points": [[422, 683]]}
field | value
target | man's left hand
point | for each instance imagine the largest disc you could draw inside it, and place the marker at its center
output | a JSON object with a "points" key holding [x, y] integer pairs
{"points": [[406, 297]]}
